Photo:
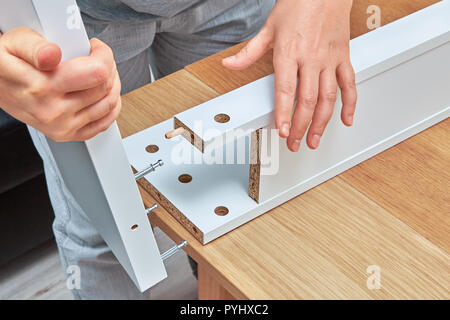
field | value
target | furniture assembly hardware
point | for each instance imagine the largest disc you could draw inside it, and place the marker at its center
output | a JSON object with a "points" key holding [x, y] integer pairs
{"points": [[385, 60], [149, 169], [174, 133], [169, 253], [151, 209], [172, 251], [210, 199], [97, 171]]}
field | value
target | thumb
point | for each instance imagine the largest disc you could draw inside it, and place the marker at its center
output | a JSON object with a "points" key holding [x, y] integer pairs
{"points": [[31, 47], [253, 50]]}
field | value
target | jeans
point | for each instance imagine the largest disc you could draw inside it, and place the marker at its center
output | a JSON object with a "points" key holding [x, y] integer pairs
{"points": [[167, 44]]}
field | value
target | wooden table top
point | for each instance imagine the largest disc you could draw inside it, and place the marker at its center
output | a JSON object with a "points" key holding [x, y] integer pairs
{"points": [[391, 211]]}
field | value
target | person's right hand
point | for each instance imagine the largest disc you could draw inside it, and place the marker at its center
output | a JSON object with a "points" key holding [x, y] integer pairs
{"points": [[67, 101]]}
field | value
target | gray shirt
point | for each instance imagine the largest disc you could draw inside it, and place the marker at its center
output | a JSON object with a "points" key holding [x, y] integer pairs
{"points": [[129, 26], [133, 10]]}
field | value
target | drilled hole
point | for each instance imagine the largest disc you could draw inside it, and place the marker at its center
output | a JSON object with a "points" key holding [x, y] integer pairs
{"points": [[221, 211], [153, 148], [134, 227], [222, 118], [185, 178]]}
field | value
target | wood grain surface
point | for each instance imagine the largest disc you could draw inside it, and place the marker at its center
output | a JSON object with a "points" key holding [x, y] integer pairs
{"points": [[391, 10], [161, 100], [209, 288], [412, 181], [212, 73], [391, 211]]}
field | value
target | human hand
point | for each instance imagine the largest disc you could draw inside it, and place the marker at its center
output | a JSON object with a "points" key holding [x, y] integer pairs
{"points": [[67, 101], [310, 40]]}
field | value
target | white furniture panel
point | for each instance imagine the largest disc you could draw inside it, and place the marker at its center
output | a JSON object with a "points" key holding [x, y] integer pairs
{"points": [[392, 106], [403, 79], [251, 107], [97, 172]]}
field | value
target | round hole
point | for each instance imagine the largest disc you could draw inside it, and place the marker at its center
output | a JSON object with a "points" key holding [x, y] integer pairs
{"points": [[153, 148], [185, 178], [222, 118], [134, 227], [221, 211]]}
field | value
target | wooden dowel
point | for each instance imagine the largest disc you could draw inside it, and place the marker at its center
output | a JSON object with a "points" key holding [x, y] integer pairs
{"points": [[174, 133]]}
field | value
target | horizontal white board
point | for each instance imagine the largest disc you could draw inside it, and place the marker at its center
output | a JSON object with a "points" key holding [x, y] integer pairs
{"points": [[403, 79], [251, 107]]}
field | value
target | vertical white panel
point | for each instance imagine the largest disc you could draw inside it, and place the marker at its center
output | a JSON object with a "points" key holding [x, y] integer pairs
{"points": [[97, 172], [61, 23]]}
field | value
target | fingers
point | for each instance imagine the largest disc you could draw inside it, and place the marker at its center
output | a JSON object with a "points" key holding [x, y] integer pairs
{"points": [[31, 47], [346, 81], [100, 109], [79, 100], [306, 102], [285, 87], [251, 52], [324, 108], [92, 120], [101, 125], [86, 72]]}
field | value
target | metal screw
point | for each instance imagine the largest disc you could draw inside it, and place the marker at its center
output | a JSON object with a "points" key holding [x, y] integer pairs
{"points": [[149, 169], [166, 255], [149, 210]]}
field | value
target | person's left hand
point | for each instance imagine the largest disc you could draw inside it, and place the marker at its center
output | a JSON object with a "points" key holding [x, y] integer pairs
{"points": [[310, 40]]}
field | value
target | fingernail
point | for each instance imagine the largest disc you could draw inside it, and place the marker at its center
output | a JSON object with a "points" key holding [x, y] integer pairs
{"points": [[284, 130], [350, 120], [315, 141], [229, 59], [296, 145]]}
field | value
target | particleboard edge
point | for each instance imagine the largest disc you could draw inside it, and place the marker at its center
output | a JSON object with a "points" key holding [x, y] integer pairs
{"points": [[255, 165], [169, 207], [189, 135]]}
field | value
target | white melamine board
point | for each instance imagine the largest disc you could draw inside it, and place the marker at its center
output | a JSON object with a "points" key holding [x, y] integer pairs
{"points": [[393, 106], [403, 78], [211, 186], [251, 107], [97, 172], [18, 13]]}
